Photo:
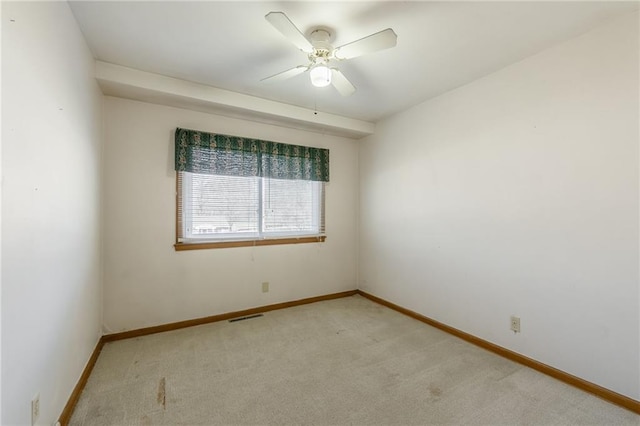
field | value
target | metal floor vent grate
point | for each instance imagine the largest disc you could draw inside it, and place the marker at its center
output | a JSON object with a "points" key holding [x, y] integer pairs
{"points": [[245, 318]]}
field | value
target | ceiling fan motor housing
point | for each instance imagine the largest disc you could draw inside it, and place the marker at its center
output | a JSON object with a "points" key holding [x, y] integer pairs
{"points": [[322, 49]]}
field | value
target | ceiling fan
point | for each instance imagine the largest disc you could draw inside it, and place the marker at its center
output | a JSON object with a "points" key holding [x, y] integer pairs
{"points": [[322, 54]]}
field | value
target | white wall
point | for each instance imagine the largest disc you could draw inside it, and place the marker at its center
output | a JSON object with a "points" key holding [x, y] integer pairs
{"points": [[518, 194], [0, 217], [51, 141], [146, 282]]}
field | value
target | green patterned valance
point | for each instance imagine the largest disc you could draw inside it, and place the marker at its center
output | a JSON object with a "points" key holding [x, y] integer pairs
{"points": [[210, 153]]}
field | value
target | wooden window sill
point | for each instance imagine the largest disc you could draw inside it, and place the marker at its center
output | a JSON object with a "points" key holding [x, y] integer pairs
{"points": [[247, 243]]}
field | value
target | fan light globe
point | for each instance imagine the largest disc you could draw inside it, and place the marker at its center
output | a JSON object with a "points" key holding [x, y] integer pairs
{"points": [[320, 76]]}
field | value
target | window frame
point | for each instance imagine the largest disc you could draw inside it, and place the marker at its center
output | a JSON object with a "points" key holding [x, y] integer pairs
{"points": [[263, 238]]}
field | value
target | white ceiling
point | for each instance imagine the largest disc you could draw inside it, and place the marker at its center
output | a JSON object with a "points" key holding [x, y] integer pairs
{"points": [[229, 45]]}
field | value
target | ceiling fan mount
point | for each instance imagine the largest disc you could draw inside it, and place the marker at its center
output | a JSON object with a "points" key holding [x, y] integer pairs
{"points": [[322, 54]]}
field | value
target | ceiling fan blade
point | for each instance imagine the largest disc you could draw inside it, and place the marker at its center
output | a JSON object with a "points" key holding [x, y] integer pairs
{"points": [[378, 41], [282, 23], [286, 74], [340, 82]]}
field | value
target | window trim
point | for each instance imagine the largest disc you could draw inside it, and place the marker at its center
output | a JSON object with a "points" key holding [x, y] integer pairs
{"points": [[247, 243]]}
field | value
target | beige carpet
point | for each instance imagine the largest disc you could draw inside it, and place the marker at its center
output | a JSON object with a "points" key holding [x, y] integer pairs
{"points": [[345, 361]]}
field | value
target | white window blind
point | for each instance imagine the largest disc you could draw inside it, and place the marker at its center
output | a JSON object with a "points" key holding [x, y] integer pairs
{"points": [[227, 208], [291, 207]]}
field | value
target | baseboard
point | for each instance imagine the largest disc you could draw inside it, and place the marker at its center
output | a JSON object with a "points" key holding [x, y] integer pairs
{"points": [[597, 390], [606, 394], [221, 317], [77, 390]]}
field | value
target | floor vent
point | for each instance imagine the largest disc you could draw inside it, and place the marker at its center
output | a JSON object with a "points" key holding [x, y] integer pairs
{"points": [[245, 318]]}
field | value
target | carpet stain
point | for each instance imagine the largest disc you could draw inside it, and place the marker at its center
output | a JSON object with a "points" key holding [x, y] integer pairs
{"points": [[162, 397], [435, 391]]}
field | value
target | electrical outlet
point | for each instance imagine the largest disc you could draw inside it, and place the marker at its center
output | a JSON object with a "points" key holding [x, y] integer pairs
{"points": [[265, 287], [35, 409], [515, 324]]}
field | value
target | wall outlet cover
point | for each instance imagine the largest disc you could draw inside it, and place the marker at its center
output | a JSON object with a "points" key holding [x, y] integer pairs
{"points": [[515, 324]]}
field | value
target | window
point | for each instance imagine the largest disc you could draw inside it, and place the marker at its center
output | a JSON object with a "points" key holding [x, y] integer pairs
{"points": [[240, 192], [218, 207]]}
